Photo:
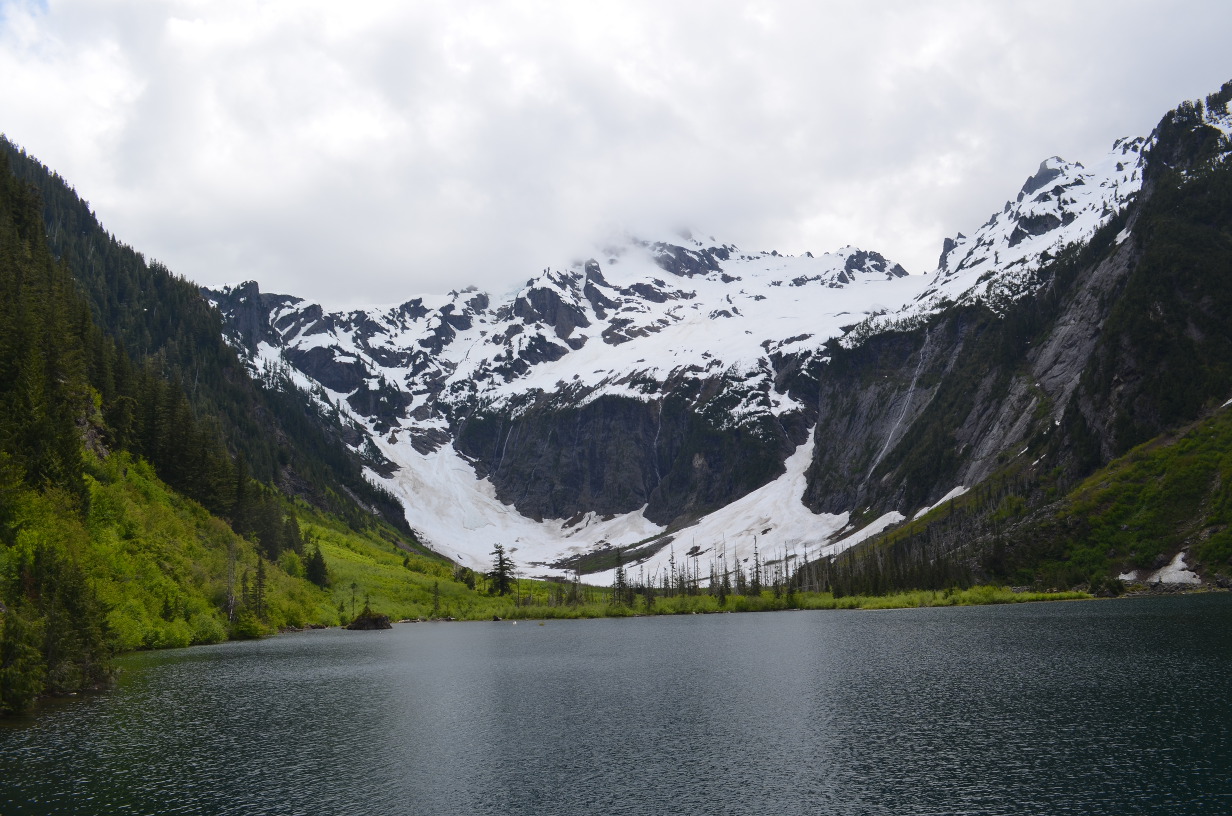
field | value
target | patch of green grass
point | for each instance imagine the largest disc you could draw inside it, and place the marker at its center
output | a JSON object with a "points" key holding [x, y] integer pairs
{"points": [[975, 596], [705, 604]]}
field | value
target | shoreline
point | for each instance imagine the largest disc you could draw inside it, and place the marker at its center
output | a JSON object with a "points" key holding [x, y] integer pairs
{"points": [[909, 599], [853, 603]]}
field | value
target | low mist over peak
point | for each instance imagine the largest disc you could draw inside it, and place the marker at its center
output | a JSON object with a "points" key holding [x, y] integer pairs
{"points": [[351, 155]]}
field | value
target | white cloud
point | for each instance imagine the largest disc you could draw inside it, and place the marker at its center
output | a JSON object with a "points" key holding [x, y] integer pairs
{"points": [[368, 152]]}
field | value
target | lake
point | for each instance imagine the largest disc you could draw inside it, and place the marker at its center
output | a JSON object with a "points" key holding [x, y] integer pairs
{"points": [[1063, 708]]}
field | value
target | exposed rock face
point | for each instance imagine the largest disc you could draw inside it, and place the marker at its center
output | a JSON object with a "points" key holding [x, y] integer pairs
{"points": [[616, 454], [1062, 202], [680, 439], [331, 369], [544, 305], [1030, 226], [250, 312], [868, 399], [1049, 171], [905, 417]]}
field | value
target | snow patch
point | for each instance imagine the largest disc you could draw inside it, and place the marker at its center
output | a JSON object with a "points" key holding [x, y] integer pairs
{"points": [[953, 494], [1175, 573], [773, 518], [455, 512], [864, 533]]}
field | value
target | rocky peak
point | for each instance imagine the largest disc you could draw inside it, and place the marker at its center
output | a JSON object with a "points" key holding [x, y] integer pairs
{"points": [[250, 313], [1061, 203], [872, 263], [1049, 169]]}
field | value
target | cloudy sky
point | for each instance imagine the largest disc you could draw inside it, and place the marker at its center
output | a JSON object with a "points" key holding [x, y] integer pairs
{"points": [[365, 152]]}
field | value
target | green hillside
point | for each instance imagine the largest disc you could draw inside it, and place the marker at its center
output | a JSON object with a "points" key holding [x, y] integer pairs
{"points": [[1166, 495]]}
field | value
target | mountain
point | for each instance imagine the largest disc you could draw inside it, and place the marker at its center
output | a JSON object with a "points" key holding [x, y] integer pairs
{"points": [[683, 393]]}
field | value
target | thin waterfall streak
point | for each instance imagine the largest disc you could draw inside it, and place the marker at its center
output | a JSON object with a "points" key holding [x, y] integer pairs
{"points": [[919, 366]]}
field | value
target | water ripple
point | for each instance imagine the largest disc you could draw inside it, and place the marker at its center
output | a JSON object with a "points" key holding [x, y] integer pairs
{"points": [[1053, 709]]}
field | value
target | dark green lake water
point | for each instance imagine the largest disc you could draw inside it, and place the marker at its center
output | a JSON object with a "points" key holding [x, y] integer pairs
{"points": [[1066, 708]]}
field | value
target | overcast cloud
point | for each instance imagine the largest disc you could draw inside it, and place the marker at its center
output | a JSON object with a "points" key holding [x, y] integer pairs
{"points": [[364, 153]]}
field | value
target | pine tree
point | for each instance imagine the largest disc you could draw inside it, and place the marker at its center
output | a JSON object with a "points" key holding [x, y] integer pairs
{"points": [[292, 537], [22, 668], [620, 585], [267, 525], [501, 572], [258, 590], [315, 569], [755, 583]]}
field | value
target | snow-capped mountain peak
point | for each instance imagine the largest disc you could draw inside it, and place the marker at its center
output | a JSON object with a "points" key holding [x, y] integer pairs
{"points": [[1061, 203], [686, 347]]}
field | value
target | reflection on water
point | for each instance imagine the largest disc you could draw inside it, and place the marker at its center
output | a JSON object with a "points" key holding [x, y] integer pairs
{"points": [[1109, 707]]}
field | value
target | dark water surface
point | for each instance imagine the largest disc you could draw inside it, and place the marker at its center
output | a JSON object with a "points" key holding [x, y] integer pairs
{"points": [[1065, 708]]}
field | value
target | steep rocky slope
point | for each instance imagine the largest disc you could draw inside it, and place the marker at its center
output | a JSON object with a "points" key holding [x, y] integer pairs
{"points": [[1127, 342]]}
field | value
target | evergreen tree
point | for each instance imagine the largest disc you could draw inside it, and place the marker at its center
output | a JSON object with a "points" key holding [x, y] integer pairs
{"points": [[315, 569], [258, 590], [293, 539], [620, 586], [501, 574], [22, 667], [11, 491], [755, 583], [55, 636], [267, 526]]}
